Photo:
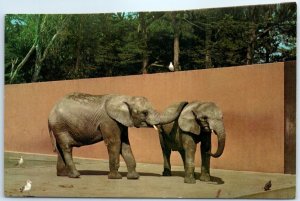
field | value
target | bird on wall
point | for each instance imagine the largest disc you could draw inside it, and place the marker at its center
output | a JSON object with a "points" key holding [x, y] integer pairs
{"points": [[171, 67], [268, 185], [26, 187], [20, 162]]}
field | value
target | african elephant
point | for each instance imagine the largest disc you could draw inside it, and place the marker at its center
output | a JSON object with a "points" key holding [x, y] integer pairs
{"points": [[81, 119], [195, 123]]}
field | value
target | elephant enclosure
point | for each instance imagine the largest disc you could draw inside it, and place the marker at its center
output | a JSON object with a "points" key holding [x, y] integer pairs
{"points": [[258, 103], [42, 172]]}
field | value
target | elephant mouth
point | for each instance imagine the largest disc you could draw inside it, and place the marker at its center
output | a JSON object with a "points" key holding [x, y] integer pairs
{"points": [[142, 124], [206, 129]]}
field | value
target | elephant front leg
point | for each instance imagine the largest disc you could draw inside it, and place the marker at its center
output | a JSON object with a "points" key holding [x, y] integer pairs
{"points": [[167, 163], [189, 147], [205, 157], [128, 157], [113, 147], [166, 156]]}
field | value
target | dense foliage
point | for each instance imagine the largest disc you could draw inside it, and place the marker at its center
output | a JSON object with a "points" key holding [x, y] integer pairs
{"points": [[56, 47]]}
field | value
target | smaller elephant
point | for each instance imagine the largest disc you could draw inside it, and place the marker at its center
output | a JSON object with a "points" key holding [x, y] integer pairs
{"points": [[195, 124]]}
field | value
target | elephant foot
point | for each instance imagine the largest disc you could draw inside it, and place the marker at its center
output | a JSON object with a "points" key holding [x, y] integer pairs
{"points": [[166, 172], [65, 172], [133, 175], [189, 180], [114, 175], [74, 174], [62, 172], [205, 177]]}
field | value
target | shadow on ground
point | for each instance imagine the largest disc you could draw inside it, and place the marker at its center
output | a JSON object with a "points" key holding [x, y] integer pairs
{"points": [[124, 174], [214, 180]]}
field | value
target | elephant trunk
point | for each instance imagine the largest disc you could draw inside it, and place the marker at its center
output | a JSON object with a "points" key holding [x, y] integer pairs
{"points": [[170, 116], [220, 132]]}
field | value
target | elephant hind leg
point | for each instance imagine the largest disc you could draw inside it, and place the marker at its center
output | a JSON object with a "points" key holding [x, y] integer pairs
{"points": [[61, 168], [70, 166], [65, 165]]}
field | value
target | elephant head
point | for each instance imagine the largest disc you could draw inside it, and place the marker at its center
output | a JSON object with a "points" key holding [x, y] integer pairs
{"points": [[206, 117], [137, 111]]}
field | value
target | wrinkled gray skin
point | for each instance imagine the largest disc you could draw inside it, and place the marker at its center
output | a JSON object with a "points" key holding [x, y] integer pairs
{"points": [[81, 119], [195, 124]]}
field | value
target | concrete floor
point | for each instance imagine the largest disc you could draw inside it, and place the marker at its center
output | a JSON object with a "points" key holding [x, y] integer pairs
{"points": [[41, 170]]}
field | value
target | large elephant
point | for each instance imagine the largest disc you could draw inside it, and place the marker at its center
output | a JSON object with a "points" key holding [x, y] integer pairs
{"points": [[195, 124], [81, 119]]}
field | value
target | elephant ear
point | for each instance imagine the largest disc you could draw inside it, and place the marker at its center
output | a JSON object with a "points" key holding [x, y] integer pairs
{"points": [[187, 120], [118, 109]]}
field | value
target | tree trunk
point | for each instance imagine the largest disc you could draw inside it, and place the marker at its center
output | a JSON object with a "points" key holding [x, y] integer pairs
{"points": [[37, 70], [208, 32], [250, 48], [145, 64], [78, 50], [109, 72], [41, 55], [176, 47], [268, 47], [38, 64], [252, 13], [144, 37], [176, 52], [77, 64], [21, 64]]}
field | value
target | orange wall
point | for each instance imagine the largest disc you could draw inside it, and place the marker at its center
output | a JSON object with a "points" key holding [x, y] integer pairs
{"points": [[252, 100]]}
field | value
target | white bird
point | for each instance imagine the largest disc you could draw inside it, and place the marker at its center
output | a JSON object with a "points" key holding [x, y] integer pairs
{"points": [[171, 67], [26, 187], [20, 162]]}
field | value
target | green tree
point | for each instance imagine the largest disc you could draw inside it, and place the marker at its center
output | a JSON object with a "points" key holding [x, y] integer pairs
{"points": [[39, 30], [55, 47]]}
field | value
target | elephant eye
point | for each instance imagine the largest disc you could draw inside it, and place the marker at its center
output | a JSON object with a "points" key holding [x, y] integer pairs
{"points": [[145, 113], [204, 118]]}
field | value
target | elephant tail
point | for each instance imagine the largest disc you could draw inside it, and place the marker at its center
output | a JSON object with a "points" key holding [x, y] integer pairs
{"points": [[53, 140]]}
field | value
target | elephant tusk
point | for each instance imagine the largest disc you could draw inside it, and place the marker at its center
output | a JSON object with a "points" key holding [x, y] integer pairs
{"points": [[155, 127]]}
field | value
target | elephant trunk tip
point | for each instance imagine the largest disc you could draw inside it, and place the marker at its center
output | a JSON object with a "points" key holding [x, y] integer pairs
{"points": [[215, 155], [221, 145]]}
